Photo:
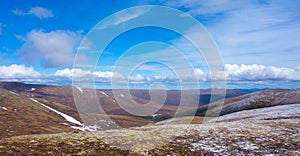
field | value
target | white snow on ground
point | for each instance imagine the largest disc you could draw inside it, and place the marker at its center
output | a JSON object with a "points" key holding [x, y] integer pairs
{"points": [[245, 132], [4, 108], [88, 128], [80, 89], [31, 89], [282, 111], [102, 92], [13, 92], [67, 117], [105, 124], [81, 126], [122, 95]]}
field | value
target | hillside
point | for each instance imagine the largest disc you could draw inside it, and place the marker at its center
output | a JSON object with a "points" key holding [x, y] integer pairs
{"points": [[64, 95], [202, 96], [259, 99], [265, 131], [19, 116]]}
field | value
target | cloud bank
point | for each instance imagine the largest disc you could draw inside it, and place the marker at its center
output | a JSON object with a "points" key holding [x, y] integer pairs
{"points": [[259, 72], [236, 74], [18, 71]]}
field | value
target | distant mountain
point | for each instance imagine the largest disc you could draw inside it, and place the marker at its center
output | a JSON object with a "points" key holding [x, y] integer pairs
{"points": [[202, 97], [62, 99], [64, 95]]}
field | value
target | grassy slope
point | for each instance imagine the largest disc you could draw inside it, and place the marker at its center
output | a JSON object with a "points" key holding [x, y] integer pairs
{"points": [[24, 116]]}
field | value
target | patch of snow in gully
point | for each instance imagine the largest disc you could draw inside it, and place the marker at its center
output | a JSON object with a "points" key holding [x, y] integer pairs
{"points": [[67, 117]]}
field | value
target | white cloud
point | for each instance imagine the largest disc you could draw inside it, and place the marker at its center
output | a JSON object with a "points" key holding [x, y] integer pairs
{"points": [[79, 73], [248, 32], [200, 7], [236, 72], [18, 71], [52, 49], [123, 17], [19, 12], [137, 77], [200, 74], [259, 72], [236, 75], [158, 77], [128, 16], [64, 72], [39, 12], [101, 74]]}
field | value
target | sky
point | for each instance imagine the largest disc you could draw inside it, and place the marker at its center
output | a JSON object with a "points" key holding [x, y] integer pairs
{"points": [[258, 41]]}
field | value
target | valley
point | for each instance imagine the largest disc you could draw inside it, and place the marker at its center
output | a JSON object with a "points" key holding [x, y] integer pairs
{"points": [[43, 120]]}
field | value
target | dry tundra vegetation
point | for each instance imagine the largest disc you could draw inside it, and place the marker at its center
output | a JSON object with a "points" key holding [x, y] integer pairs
{"points": [[259, 132], [260, 123]]}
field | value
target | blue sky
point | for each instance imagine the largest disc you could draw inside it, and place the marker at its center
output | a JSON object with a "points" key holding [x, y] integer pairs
{"points": [[258, 41]]}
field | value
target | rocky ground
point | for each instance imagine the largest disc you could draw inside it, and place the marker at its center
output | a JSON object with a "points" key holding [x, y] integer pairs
{"points": [[266, 131]]}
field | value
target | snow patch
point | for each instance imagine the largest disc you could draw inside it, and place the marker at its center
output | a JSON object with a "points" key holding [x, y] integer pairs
{"points": [[102, 92], [31, 89], [81, 126], [67, 117], [80, 89], [282, 111], [13, 92], [122, 95], [4, 108], [198, 146], [88, 127]]}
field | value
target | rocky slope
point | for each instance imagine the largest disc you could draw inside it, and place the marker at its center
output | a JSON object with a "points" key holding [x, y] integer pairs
{"points": [[265, 131]]}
